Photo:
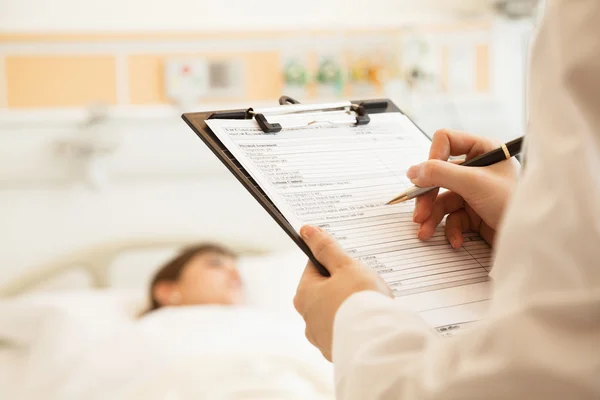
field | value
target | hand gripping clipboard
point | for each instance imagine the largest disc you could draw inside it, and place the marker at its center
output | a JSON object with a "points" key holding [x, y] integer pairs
{"points": [[357, 114]]}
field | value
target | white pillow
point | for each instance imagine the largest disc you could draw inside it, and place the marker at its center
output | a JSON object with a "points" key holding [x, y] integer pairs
{"points": [[270, 282]]}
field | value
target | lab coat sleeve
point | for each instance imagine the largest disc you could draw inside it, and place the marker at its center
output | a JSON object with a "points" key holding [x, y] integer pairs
{"points": [[381, 351], [377, 347]]}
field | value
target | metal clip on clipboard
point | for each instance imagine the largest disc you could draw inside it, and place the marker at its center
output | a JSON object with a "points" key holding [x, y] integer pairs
{"points": [[341, 113]]}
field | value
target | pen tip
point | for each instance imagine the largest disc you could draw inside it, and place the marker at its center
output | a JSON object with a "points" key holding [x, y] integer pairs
{"points": [[397, 200]]}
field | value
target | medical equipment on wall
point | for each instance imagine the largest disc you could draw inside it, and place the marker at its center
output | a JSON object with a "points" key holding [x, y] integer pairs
{"points": [[186, 80]]}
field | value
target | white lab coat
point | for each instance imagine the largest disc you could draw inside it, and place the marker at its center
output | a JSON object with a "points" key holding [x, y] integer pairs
{"points": [[541, 338]]}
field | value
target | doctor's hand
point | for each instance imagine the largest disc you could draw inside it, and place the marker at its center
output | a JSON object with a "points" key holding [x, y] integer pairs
{"points": [[318, 298], [477, 196]]}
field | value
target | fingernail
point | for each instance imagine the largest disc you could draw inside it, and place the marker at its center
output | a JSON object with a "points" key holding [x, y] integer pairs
{"points": [[455, 242], [412, 172], [307, 231], [415, 215]]}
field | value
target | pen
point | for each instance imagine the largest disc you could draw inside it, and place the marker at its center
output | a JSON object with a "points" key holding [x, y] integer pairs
{"points": [[504, 152]]}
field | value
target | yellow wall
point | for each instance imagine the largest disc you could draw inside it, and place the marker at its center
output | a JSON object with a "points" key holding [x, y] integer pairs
{"points": [[482, 59], [58, 81]]}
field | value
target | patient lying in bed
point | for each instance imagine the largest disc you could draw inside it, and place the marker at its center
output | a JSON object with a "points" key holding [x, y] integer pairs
{"points": [[199, 341], [200, 275]]}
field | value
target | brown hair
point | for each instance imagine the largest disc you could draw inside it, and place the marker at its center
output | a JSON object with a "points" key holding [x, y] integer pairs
{"points": [[171, 271]]}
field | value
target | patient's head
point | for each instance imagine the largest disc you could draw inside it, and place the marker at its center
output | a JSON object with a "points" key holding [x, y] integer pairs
{"points": [[202, 274]]}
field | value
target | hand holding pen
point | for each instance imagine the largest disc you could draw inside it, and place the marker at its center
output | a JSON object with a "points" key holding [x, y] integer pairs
{"points": [[476, 197]]}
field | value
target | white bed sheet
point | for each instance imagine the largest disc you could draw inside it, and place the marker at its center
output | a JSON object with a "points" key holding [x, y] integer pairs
{"points": [[206, 352], [82, 343]]}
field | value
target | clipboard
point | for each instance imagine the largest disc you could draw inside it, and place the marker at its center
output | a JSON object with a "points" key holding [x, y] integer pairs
{"points": [[357, 110]]}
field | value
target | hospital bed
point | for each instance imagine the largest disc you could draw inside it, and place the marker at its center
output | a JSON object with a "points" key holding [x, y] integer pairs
{"points": [[56, 317]]}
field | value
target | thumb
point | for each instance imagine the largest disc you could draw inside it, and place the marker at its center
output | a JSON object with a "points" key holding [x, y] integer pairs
{"points": [[465, 181], [325, 249]]}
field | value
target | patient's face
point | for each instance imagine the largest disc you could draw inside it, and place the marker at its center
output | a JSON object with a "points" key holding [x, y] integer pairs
{"points": [[210, 278]]}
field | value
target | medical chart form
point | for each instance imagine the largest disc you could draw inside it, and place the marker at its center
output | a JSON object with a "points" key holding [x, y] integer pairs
{"points": [[339, 178]]}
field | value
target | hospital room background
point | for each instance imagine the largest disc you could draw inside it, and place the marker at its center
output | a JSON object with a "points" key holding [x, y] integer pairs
{"points": [[101, 181]]}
